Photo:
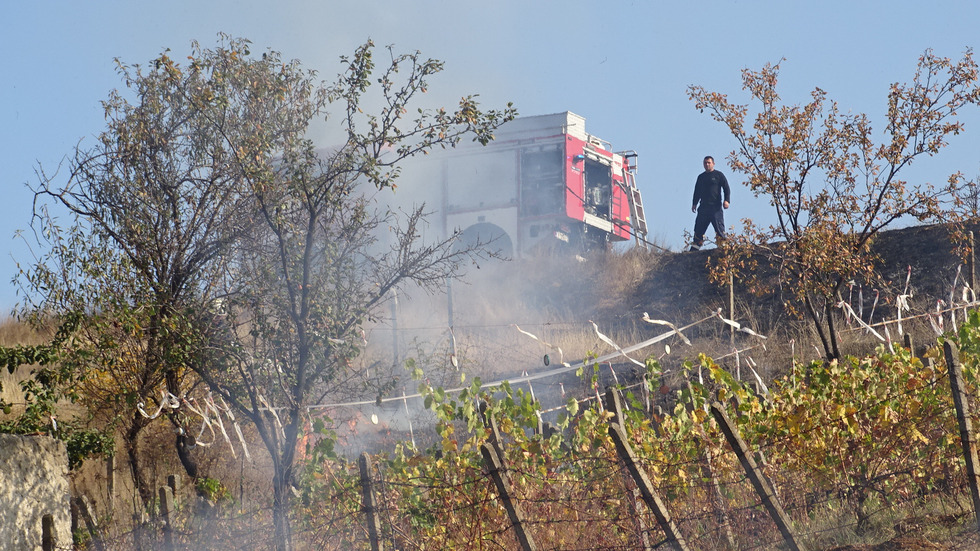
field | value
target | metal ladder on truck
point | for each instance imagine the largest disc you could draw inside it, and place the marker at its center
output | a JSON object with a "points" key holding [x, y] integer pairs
{"points": [[638, 219]]}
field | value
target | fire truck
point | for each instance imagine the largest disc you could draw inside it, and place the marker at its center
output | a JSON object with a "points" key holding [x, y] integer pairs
{"points": [[543, 186]]}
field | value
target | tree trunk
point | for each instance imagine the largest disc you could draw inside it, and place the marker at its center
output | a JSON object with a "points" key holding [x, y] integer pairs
{"points": [[834, 352], [183, 443], [280, 509], [135, 466], [812, 312], [283, 483]]}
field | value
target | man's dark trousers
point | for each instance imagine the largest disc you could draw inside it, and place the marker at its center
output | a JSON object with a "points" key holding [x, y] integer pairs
{"points": [[709, 214]]}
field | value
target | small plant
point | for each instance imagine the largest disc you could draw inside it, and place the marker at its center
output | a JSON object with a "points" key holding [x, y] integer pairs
{"points": [[212, 489]]}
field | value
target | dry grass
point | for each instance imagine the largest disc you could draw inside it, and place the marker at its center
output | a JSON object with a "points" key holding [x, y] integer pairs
{"points": [[13, 333], [553, 299], [938, 522]]}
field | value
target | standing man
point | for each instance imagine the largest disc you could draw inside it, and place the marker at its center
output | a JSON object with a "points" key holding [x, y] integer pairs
{"points": [[712, 192]]}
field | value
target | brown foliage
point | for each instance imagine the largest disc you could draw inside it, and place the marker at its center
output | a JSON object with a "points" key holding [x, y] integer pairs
{"points": [[832, 186]]}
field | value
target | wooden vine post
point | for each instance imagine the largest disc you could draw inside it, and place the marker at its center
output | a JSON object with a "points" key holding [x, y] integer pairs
{"points": [[173, 481], [731, 305], [493, 458], [722, 512], [971, 265], [647, 491], [491, 423], [963, 417], [755, 475], [84, 510], [614, 403], [495, 467], [167, 512], [48, 540], [368, 504], [110, 482]]}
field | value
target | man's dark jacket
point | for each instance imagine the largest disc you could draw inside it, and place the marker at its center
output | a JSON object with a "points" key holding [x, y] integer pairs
{"points": [[708, 189]]}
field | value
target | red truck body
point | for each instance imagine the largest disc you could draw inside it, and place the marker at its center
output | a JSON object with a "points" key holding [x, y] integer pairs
{"points": [[543, 185]]}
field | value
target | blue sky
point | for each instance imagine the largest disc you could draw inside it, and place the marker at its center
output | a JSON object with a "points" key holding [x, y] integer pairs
{"points": [[624, 66]]}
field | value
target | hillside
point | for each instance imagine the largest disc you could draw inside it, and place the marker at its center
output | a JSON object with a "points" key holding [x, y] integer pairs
{"points": [[679, 286], [616, 290]]}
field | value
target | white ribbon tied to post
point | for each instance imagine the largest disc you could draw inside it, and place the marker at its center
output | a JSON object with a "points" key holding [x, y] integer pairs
{"points": [[615, 346], [646, 318], [561, 355], [847, 307], [738, 327]]}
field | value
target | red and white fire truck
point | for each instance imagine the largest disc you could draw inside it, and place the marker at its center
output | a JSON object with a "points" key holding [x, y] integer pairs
{"points": [[543, 185]]}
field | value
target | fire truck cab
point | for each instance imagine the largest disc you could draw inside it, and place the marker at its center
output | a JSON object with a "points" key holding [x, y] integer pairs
{"points": [[543, 185]]}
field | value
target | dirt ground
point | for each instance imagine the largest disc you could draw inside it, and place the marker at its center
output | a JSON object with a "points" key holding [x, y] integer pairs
{"points": [[923, 255]]}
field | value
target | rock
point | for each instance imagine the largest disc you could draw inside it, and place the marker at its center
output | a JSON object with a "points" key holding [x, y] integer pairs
{"points": [[33, 484]]}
